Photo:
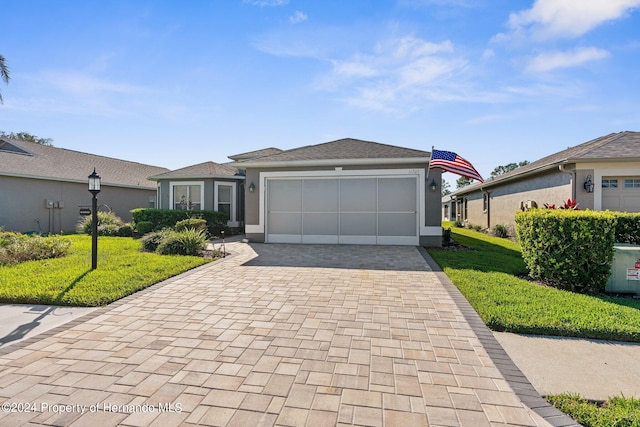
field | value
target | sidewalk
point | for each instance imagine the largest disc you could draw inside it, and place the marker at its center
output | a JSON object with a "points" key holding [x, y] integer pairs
{"points": [[595, 369]]}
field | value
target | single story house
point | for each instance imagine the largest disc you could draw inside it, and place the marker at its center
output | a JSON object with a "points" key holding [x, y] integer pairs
{"points": [[601, 174], [345, 191], [205, 186], [42, 188]]}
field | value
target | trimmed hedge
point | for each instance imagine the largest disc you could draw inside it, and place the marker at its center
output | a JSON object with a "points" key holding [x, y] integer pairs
{"points": [[628, 228], [162, 218], [569, 249]]}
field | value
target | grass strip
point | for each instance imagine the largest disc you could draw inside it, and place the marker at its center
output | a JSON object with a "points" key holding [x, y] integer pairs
{"points": [[122, 270], [617, 411]]}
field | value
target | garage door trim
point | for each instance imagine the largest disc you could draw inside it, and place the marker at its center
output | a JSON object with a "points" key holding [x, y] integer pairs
{"points": [[418, 174]]}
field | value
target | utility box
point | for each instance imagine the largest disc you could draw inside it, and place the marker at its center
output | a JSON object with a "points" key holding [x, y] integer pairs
{"points": [[625, 270]]}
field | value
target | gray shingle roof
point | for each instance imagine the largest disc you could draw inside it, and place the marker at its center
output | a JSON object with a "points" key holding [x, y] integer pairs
{"points": [[48, 162], [253, 154], [615, 146], [347, 148], [201, 170]]}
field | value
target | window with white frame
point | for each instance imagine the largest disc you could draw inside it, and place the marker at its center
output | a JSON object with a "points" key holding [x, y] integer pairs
{"points": [[609, 183], [187, 196], [225, 200], [632, 183]]}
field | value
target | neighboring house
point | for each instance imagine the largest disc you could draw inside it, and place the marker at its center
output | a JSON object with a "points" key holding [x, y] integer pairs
{"points": [[344, 191], [600, 174], [42, 188], [206, 186]]}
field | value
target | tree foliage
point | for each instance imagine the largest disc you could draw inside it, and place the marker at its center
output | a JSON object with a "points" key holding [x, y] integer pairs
{"points": [[24, 136], [463, 182], [499, 170], [4, 73], [446, 187]]}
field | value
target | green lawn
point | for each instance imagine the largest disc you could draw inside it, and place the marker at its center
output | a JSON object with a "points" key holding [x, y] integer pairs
{"points": [[488, 276], [122, 270]]}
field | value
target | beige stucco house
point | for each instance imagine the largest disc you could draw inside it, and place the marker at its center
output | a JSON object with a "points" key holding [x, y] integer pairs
{"points": [[42, 188], [600, 174]]}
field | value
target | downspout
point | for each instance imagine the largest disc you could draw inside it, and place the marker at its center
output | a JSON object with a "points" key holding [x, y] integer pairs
{"points": [[572, 173]]}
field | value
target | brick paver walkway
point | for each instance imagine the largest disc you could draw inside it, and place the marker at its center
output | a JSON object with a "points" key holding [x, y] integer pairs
{"points": [[273, 335]]}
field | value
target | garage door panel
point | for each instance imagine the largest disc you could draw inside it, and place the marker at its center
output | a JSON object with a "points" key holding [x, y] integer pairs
{"points": [[285, 195], [285, 223], [358, 224], [320, 223], [320, 195], [397, 224], [358, 194], [397, 194]]}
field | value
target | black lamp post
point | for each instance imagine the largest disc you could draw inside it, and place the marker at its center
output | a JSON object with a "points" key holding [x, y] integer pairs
{"points": [[94, 189]]}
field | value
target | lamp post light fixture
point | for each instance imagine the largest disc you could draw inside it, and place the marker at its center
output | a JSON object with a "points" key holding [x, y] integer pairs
{"points": [[589, 185], [94, 189]]}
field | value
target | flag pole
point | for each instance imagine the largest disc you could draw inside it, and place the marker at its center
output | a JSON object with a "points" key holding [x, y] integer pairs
{"points": [[429, 165]]}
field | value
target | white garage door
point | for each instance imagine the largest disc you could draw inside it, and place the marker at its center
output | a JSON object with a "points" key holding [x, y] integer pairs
{"points": [[358, 210], [621, 193]]}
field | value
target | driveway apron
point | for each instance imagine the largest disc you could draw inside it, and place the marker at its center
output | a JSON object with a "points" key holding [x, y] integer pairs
{"points": [[287, 335]]}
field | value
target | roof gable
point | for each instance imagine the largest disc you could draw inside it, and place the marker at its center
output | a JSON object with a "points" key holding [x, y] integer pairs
{"points": [[343, 149], [7, 147]]}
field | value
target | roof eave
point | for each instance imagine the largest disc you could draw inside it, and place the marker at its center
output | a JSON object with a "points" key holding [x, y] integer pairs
{"points": [[332, 162], [160, 177], [74, 181]]}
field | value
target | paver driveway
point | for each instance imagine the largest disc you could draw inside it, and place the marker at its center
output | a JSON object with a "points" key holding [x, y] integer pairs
{"points": [[273, 335]]}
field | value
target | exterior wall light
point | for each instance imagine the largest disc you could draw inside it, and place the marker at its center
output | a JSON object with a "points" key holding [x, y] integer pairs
{"points": [[252, 187], [588, 185], [433, 185], [94, 189]]}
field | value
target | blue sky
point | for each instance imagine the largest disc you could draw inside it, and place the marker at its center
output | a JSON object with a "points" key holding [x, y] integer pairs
{"points": [[175, 83]]}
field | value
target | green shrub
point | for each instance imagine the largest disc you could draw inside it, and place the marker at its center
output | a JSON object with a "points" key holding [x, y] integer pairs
{"points": [[195, 223], [458, 223], [150, 241], [126, 230], [16, 248], [163, 218], [500, 230], [144, 227], [627, 228], [185, 242], [569, 249], [217, 229]]}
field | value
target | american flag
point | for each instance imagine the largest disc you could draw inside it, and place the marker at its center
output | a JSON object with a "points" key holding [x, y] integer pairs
{"points": [[451, 162]]}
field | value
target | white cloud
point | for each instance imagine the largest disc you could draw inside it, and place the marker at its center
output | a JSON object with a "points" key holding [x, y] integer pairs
{"points": [[565, 18], [397, 72], [267, 3], [552, 60], [298, 17]]}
